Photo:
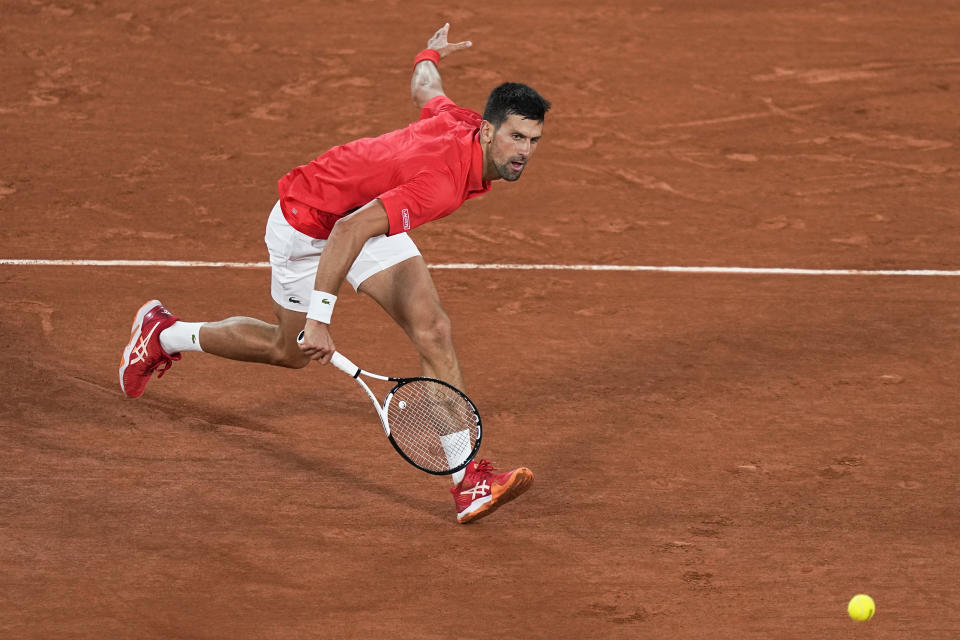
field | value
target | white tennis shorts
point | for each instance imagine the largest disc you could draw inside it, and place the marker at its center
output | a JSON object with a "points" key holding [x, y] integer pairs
{"points": [[294, 257]]}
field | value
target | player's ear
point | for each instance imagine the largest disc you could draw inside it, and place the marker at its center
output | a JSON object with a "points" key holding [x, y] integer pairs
{"points": [[486, 132]]}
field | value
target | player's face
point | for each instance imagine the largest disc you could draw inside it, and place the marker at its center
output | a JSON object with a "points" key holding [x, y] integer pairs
{"points": [[510, 147]]}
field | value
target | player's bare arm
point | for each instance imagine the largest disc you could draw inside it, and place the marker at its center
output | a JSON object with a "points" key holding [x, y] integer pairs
{"points": [[426, 83], [342, 248]]}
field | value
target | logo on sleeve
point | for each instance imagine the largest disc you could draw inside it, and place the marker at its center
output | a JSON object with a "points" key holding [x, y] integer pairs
{"points": [[406, 219]]}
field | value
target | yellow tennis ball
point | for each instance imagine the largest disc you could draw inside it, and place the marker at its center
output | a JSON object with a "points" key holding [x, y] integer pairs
{"points": [[861, 607]]}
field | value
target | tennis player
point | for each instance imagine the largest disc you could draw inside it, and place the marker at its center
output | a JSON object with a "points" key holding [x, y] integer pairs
{"points": [[345, 216]]}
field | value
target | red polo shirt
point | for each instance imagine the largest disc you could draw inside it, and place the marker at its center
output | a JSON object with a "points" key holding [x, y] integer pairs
{"points": [[420, 173]]}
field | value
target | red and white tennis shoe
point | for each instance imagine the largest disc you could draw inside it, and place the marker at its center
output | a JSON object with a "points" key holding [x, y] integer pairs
{"points": [[143, 354], [481, 492]]}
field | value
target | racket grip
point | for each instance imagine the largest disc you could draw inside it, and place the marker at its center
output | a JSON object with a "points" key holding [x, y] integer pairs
{"points": [[338, 360], [341, 362]]}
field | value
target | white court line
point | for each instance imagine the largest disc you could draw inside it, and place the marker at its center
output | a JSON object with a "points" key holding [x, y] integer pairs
{"points": [[509, 267]]}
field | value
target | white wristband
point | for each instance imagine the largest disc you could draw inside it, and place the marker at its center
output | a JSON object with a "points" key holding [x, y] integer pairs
{"points": [[321, 306]]}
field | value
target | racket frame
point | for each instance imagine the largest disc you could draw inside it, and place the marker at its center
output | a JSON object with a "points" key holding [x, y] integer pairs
{"points": [[344, 364]]}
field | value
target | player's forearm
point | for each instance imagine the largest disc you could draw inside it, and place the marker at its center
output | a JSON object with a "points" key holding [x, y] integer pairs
{"points": [[345, 242], [425, 83], [338, 254]]}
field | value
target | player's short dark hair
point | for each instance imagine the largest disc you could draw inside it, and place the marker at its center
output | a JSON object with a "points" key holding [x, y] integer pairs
{"points": [[514, 98]]}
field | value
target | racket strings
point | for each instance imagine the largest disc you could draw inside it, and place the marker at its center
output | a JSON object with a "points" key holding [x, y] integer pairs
{"points": [[433, 424]]}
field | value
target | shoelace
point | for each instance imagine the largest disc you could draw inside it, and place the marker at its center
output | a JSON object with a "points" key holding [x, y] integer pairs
{"points": [[484, 467]]}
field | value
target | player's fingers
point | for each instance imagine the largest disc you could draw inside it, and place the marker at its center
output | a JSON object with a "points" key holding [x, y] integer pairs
{"points": [[466, 44], [307, 349]]}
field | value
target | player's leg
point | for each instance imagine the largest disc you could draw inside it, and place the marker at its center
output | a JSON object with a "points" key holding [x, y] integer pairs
{"points": [[407, 293], [392, 272], [158, 338], [293, 260], [252, 340]]}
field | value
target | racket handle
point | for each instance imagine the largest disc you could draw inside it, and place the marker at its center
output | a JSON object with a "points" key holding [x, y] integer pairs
{"points": [[338, 360], [341, 362]]}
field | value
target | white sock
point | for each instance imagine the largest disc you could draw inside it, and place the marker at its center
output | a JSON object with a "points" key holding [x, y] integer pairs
{"points": [[456, 446], [181, 336]]}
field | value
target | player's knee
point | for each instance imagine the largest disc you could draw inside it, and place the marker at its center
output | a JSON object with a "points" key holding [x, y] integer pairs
{"points": [[434, 333]]}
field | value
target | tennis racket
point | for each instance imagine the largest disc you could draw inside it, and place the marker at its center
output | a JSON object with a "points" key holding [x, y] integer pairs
{"points": [[433, 425]]}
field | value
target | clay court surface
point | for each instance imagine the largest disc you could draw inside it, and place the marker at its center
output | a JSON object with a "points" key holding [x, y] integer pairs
{"points": [[716, 455]]}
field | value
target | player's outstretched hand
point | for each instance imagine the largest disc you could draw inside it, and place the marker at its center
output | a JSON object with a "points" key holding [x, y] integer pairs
{"points": [[438, 42]]}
